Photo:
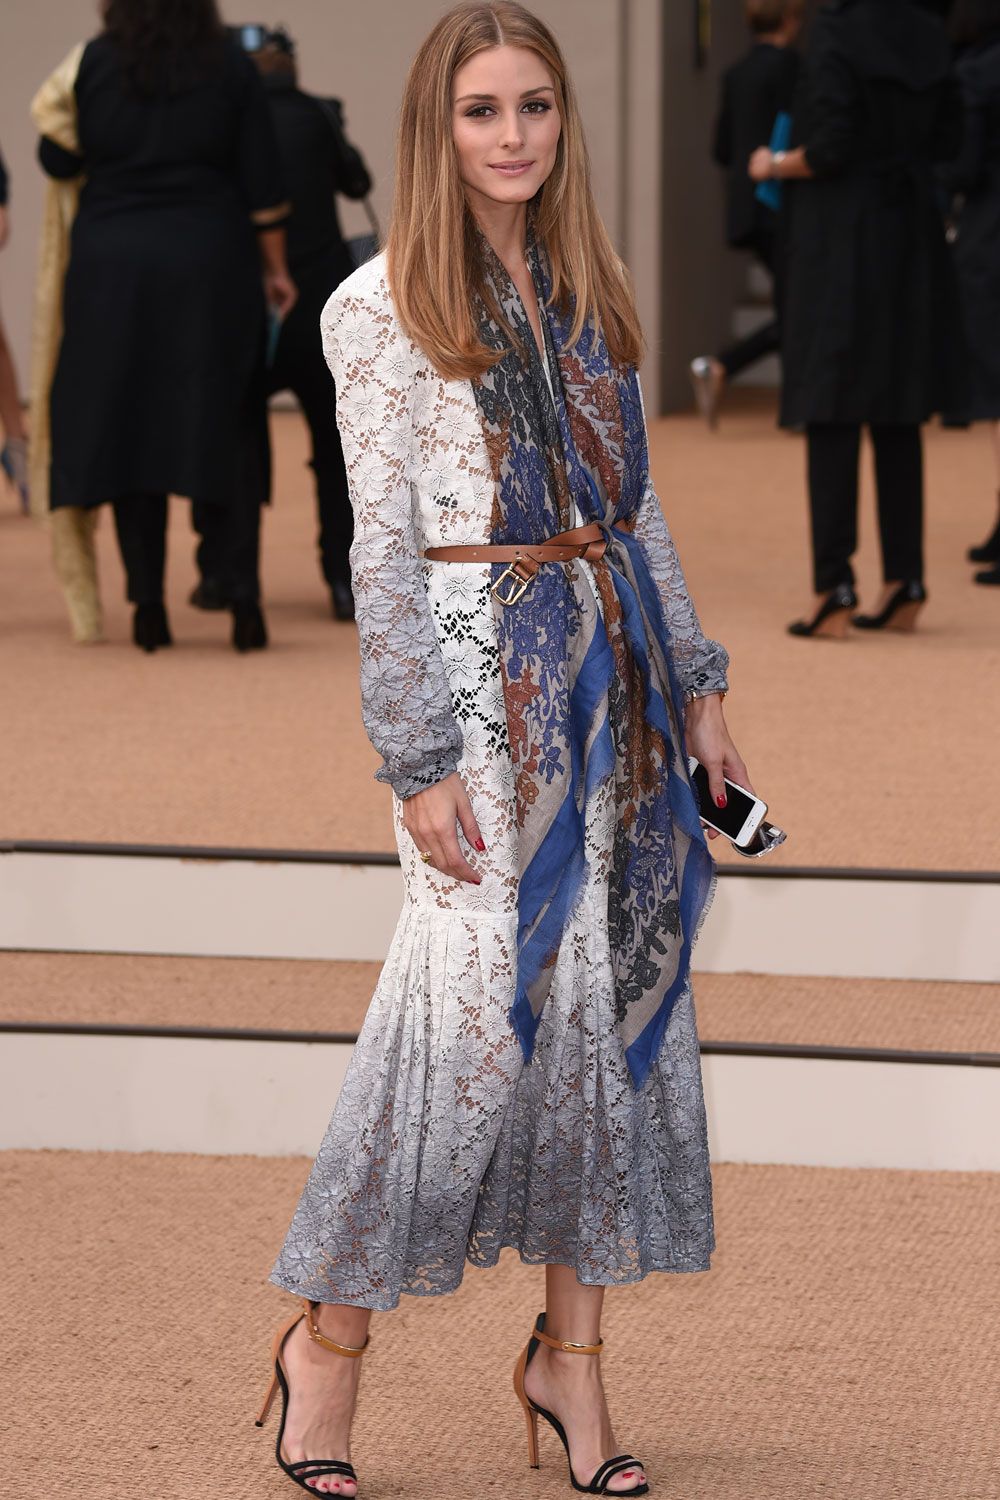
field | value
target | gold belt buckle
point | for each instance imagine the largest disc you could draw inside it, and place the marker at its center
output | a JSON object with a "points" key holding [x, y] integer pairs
{"points": [[517, 587]]}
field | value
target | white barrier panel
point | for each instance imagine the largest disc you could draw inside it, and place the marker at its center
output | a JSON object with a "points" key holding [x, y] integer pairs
{"points": [[274, 1099], [877, 929], [206, 908]]}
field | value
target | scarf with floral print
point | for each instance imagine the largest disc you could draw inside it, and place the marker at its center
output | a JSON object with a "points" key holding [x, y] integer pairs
{"points": [[590, 692]]}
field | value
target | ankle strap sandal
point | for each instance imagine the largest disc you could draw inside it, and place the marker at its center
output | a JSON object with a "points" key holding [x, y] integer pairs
{"points": [[611, 1466], [307, 1468]]}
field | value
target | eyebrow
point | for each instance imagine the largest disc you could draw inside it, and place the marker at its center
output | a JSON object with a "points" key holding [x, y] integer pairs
{"points": [[544, 88]]}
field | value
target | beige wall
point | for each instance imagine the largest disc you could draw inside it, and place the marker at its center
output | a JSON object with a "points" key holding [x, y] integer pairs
{"points": [[617, 50]]}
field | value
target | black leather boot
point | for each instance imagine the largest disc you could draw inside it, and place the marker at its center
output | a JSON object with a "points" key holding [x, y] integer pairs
{"points": [[249, 627], [150, 627], [989, 551]]}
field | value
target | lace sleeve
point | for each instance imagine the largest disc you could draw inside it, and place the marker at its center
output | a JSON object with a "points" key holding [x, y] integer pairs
{"points": [[405, 700], [701, 664]]}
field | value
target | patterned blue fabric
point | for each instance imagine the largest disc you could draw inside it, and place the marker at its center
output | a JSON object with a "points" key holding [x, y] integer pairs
{"points": [[590, 691]]}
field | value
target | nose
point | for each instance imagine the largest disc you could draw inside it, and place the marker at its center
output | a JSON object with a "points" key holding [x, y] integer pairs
{"points": [[511, 132]]}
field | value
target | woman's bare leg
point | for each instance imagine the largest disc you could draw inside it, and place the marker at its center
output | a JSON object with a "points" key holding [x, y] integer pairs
{"points": [[11, 412], [569, 1385], [323, 1390]]}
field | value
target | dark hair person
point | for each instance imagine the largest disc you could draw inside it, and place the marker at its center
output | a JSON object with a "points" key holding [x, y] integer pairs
{"points": [[974, 179], [319, 164], [870, 314], [177, 240], [528, 1071]]}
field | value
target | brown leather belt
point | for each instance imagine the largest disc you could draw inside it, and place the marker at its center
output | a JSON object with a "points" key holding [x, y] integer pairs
{"points": [[525, 558]]}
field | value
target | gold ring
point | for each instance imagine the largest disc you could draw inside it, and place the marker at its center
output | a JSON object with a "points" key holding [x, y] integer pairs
{"points": [[427, 856]]}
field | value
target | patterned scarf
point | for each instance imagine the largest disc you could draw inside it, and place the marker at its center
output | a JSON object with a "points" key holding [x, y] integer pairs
{"points": [[590, 692]]}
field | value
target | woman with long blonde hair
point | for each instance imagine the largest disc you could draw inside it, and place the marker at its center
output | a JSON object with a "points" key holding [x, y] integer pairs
{"points": [[528, 1073]]}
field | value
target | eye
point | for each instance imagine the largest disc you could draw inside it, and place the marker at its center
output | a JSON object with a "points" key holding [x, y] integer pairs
{"points": [[538, 106], [478, 112]]}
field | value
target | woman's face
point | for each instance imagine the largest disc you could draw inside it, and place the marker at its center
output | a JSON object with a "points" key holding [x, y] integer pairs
{"points": [[506, 124]]}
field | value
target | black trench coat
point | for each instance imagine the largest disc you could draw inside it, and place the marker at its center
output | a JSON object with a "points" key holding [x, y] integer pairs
{"points": [[976, 176], [871, 331], [154, 391]]}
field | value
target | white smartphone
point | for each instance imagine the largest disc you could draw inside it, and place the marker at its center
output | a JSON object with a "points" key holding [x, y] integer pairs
{"points": [[742, 814]]}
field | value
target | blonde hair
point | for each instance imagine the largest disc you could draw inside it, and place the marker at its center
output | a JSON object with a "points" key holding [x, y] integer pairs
{"points": [[434, 264]]}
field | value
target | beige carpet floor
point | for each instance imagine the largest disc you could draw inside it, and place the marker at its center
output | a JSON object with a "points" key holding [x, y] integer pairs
{"points": [[840, 1346], [874, 752], [308, 996]]}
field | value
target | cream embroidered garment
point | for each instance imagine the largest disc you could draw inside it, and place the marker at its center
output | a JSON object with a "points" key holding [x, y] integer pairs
{"points": [[443, 1145]]}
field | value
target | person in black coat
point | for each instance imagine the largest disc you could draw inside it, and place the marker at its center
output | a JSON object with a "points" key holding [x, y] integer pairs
{"points": [[870, 315], [177, 241], [318, 162], [754, 92], [974, 179]]}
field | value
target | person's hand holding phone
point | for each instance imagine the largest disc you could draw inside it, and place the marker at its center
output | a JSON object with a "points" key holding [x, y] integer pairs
{"points": [[709, 741]]}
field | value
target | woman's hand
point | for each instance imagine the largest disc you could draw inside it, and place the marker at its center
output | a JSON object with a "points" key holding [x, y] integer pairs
{"points": [[761, 164], [433, 818], [708, 740], [280, 291]]}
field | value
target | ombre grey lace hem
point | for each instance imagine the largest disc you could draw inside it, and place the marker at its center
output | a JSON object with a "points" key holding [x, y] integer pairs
{"points": [[444, 1148]]}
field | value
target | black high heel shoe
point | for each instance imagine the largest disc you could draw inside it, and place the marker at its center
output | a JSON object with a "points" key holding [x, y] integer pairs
{"points": [[989, 551], [150, 627], [900, 613], [612, 1466], [306, 1468], [249, 629], [342, 599], [832, 617]]}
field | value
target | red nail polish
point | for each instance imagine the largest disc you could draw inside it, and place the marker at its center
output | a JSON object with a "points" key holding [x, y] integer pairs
{"points": [[480, 846], [720, 800]]}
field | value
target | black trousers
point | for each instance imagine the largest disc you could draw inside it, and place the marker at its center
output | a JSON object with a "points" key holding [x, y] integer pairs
{"points": [[232, 533], [299, 367], [833, 450], [766, 339]]}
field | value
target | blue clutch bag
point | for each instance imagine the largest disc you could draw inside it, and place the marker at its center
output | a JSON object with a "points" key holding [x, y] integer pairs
{"points": [[769, 193]]}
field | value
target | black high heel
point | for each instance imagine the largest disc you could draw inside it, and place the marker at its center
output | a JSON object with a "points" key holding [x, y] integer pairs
{"points": [[342, 599], [989, 551], [900, 613], [832, 617], [249, 629], [150, 627], [612, 1466], [306, 1468]]}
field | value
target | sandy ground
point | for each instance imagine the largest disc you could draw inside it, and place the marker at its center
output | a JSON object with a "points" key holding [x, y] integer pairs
{"points": [[875, 752]]}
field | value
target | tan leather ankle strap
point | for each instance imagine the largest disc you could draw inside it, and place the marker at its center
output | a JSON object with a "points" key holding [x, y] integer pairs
{"points": [[321, 1338], [565, 1345]]}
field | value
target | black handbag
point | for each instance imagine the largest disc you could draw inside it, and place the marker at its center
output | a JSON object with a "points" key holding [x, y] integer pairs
{"points": [[362, 247]]}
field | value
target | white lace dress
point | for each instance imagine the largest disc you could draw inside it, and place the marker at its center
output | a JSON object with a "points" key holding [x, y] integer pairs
{"points": [[444, 1145]]}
